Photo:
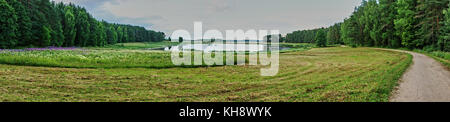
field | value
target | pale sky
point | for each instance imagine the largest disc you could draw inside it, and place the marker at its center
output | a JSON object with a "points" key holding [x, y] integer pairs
{"points": [[170, 15]]}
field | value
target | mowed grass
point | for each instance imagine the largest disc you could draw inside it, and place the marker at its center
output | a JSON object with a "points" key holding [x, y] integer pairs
{"points": [[321, 74]]}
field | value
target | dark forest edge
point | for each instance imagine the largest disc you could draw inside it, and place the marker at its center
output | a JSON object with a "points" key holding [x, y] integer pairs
{"points": [[410, 24], [41, 23]]}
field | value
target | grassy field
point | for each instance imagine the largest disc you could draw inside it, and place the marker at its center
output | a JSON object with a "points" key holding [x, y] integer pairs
{"points": [[122, 55], [319, 74], [89, 58], [296, 47], [126, 55]]}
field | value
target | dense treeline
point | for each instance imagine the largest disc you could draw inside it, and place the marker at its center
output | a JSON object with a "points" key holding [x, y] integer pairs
{"points": [[303, 36], [332, 36], [41, 23], [414, 24]]}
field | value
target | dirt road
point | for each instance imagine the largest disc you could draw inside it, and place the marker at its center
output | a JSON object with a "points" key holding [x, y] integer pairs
{"points": [[425, 81]]}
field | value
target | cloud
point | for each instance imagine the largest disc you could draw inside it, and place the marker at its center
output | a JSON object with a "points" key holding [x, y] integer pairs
{"points": [[142, 21], [171, 15], [221, 5], [95, 8], [89, 4]]}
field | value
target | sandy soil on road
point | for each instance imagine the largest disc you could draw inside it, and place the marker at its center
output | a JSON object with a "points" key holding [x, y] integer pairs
{"points": [[425, 81]]}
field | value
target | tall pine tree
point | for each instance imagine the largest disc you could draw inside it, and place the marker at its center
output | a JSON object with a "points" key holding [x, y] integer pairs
{"points": [[82, 27], [111, 34], [125, 35], [334, 35], [444, 39], [24, 33], [429, 13], [321, 40], [119, 34], [8, 25], [94, 32], [40, 26], [388, 12], [404, 22], [69, 26], [102, 34], [57, 34], [349, 31]]}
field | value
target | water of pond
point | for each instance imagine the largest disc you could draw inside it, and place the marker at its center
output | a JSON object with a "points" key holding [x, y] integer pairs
{"points": [[220, 47]]}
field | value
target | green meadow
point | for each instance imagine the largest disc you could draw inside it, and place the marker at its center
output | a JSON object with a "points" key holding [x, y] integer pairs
{"points": [[130, 72]]}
